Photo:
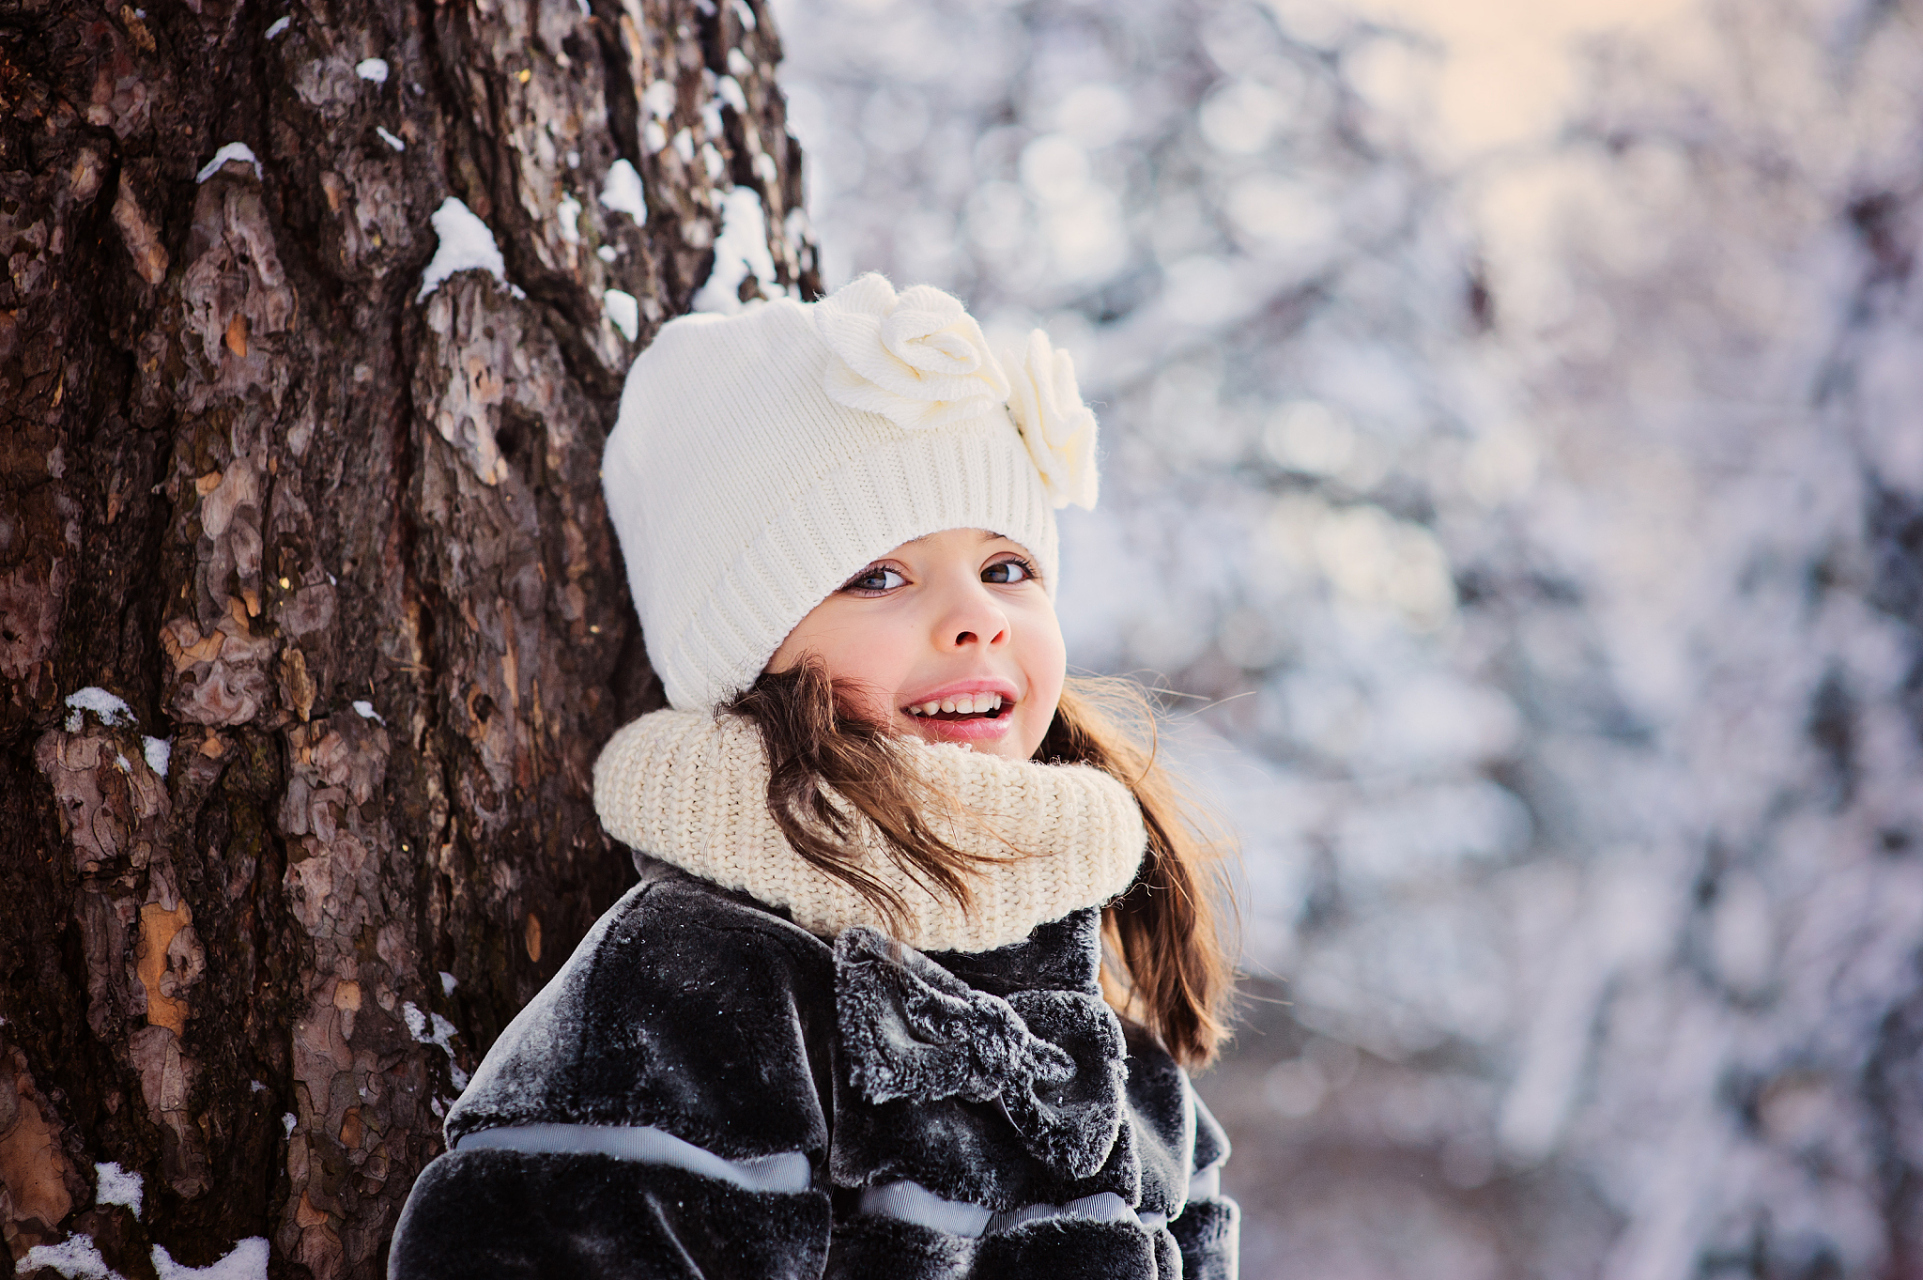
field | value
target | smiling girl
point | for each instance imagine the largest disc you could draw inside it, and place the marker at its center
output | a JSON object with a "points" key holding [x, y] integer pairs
{"points": [[921, 936]]}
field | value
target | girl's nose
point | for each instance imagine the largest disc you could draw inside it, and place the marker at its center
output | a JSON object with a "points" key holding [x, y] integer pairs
{"points": [[973, 616]]}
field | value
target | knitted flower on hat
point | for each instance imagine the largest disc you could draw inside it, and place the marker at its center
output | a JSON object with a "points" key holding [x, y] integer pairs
{"points": [[916, 358], [1057, 427]]}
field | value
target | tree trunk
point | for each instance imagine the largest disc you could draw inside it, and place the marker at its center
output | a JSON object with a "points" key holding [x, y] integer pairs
{"points": [[342, 553]]}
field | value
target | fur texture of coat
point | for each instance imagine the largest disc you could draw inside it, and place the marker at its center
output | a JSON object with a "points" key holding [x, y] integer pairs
{"points": [[999, 1079]]}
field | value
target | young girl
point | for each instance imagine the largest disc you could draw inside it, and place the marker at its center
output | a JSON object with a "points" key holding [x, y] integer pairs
{"points": [[920, 936]]}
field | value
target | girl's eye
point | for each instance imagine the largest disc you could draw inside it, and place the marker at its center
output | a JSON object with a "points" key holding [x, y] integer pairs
{"points": [[876, 577], [1008, 571]]}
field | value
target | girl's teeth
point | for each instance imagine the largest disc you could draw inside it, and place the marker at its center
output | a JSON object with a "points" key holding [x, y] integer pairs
{"points": [[978, 704]]}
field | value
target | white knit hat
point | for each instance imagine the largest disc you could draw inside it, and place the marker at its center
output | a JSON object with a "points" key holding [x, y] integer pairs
{"points": [[761, 459]]}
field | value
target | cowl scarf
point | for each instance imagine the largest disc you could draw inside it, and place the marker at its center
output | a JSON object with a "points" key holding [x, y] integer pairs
{"points": [[691, 789]]}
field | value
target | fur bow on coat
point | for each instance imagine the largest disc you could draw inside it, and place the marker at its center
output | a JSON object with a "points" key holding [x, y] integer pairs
{"points": [[707, 1090]]}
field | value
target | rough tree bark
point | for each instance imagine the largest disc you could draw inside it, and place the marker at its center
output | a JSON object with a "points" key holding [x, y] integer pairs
{"points": [[340, 550]]}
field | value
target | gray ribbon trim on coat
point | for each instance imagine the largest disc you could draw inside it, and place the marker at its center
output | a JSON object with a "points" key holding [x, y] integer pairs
{"points": [[912, 1030]]}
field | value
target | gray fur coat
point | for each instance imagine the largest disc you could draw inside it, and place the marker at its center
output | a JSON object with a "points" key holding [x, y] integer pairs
{"points": [[706, 1090]]}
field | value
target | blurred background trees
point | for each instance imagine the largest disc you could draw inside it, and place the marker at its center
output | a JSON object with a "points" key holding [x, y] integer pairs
{"points": [[1514, 457]]}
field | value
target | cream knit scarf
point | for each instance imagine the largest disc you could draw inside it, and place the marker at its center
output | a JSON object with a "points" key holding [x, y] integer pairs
{"points": [[691, 788]]}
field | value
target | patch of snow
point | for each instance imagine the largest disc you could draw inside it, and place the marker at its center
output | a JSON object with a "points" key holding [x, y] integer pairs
{"points": [[77, 1258], [255, 1086], [623, 311], [606, 253], [159, 753], [660, 98], [112, 711], [279, 25], [115, 1185], [432, 1028], [232, 151], [623, 193], [365, 710], [373, 70], [466, 245], [390, 139], [568, 215], [248, 1261], [586, 11], [448, 983], [741, 250], [730, 92], [122, 763], [287, 1123]]}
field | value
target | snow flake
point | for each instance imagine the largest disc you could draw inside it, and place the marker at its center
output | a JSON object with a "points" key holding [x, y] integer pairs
{"points": [[77, 1258], [365, 710], [660, 98], [568, 215], [466, 245], [373, 70], [390, 139], [247, 1261], [111, 711], [232, 151], [432, 1028], [115, 1185], [741, 250], [623, 311], [622, 192]]}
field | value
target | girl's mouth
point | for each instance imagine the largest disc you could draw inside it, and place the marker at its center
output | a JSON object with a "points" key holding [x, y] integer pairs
{"points": [[965, 707], [980, 717]]}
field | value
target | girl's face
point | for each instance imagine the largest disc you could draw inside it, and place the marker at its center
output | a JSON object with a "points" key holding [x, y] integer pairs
{"points": [[950, 638]]}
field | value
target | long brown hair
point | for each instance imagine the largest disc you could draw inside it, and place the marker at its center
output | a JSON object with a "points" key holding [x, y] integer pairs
{"points": [[1164, 962]]}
